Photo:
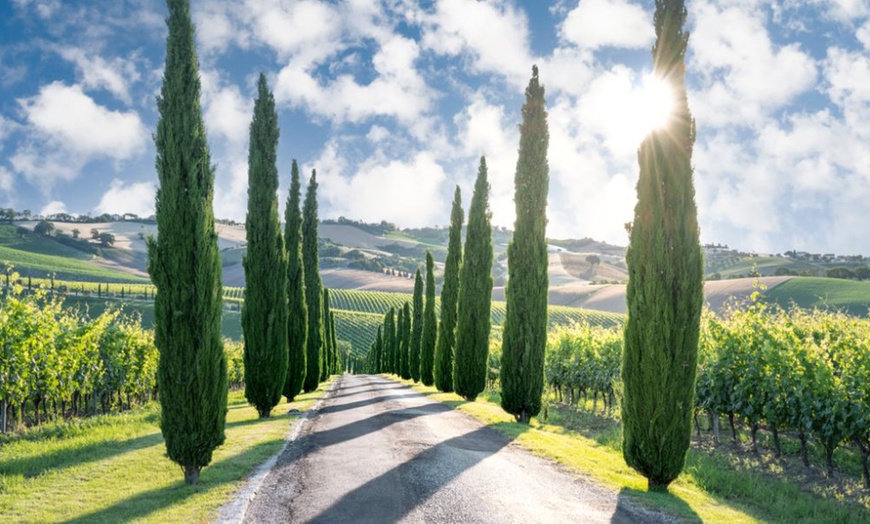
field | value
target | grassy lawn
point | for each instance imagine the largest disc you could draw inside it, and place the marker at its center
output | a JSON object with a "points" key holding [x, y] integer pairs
{"points": [[825, 293], [713, 487], [114, 469]]}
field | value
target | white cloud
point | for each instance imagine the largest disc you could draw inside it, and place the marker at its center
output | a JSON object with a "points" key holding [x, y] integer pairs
{"points": [[863, 35], [733, 55], [406, 192], [846, 10], [608, 23], [6, 128], [114, 75], [52, 208], [398, 90], [70, 118], [136, 197], [227, 113], [492, 33], [5, 180], [66, 129]]}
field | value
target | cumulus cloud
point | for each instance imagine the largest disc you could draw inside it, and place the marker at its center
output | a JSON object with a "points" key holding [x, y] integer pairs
{"points": [[227, 112], [72, 120], [52, 208], [492, 34], [398, 90], [122, 197], [403, 191], [5, 180], [113, 75], [608, 23], [743, 75], [66, 129]]}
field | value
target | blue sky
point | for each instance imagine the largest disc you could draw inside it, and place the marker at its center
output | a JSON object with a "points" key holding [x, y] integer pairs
{"points": [[393, 102]]}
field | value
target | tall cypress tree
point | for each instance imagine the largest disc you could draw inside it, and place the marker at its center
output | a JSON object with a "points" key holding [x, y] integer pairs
{"points": [[313, 293], [406, 341], [430, 326], [336, 356], [326, 352], [475, 295], [264, 312], [389, 340], [400, 342], [449, 297], [297, 310], [525, 328], [665, 286], [416, 328], [184, 263], [378, 357]]}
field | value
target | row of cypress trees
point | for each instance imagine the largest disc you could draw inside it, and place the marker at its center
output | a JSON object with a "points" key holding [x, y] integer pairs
{"points": [[288, 343]]}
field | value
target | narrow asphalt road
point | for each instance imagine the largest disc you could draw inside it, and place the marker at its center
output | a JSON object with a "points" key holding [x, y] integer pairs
{"points": [[377, 451]]}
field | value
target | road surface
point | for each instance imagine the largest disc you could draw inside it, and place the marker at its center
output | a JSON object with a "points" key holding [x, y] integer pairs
{"points": [[377, 451]]}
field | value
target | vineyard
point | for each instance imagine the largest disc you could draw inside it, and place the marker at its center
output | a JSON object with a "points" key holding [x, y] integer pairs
{"points": [[56, 358], [787, 372]]}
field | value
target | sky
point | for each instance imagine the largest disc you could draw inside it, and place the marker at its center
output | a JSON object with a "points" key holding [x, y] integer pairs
{"points": [[394, 101]]}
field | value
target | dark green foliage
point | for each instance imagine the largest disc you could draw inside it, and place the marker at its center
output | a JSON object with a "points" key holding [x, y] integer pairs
{"points": [[390, 341], [264, 311], [416, 328], [475, 295], [297, 310], [405, 341], [449, 297], [336, 356], [665, 286], [184, 264], [430, 326], [378, 360], [326, 349], [400, 342], [313, 293], [525, 328]]}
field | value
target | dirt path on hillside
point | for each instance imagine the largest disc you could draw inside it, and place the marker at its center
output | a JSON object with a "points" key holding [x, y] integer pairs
{"points": [[377, 451]]}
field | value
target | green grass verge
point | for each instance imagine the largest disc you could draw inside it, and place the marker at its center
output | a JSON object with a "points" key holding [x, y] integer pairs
{"points": [[849, 296], [114, 469], [710, 490]]}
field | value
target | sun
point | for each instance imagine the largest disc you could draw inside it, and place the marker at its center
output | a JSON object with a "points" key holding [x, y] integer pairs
{"points": [[654, 104]]}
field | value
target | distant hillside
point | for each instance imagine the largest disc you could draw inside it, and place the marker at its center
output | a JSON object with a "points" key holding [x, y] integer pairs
{"points": [[583, 273]]}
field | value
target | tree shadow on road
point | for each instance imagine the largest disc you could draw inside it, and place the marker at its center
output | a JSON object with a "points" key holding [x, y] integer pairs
{"points": [[637, 506], [336, 408], [376, 501]]}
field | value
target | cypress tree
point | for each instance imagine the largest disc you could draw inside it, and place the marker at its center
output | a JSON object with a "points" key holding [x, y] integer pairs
{"points": [[416, 328], [326, 352], [336, 356], [313, 293], [184, 263], [297, 310], [430, 326], [390, 341], [665, 286], [406, 341], [377, 353], [475, 295], [264, 311], [525, 328], [400, 342], [449, 297]]}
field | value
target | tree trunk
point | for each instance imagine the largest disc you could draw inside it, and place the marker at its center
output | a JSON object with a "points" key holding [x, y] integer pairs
{"points": [[754, 432], [191, 474], [3, 417], [733, 428], [776, 447], [697, 425], [523, 417], [804, 455], [865, 454], [829, 459], [714, 421]]}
